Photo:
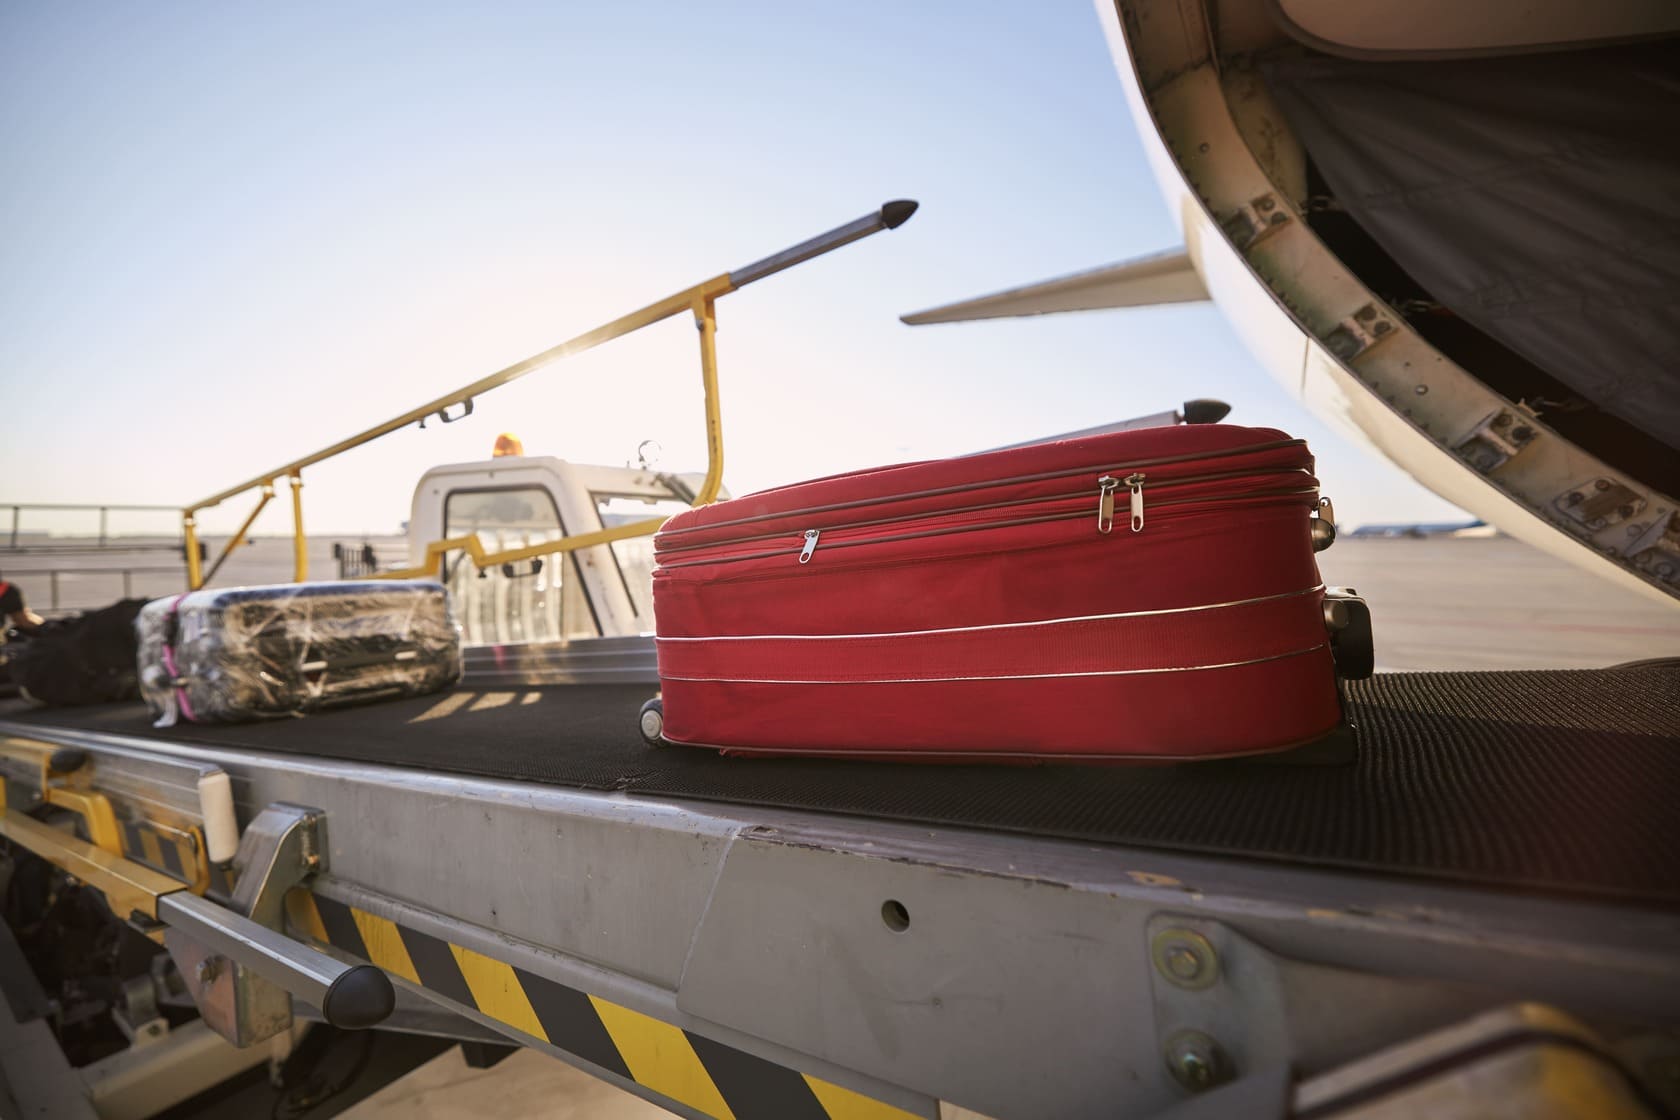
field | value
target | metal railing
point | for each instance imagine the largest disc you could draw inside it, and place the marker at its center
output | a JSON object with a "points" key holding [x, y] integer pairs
{"points": [[31, 578], [105, 539], [355, 561], [699, 299]]}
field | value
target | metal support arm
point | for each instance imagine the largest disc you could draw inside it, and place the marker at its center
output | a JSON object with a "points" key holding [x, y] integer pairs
{"points": [[350, 996], [700, 298]]}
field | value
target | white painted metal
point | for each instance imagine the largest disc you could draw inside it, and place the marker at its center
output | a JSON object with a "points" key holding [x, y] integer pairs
{"points": [[1287, 296], [576, 489]]}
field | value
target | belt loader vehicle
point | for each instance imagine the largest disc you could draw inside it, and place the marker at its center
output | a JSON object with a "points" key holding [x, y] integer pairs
{"points": [[1481, 913]]}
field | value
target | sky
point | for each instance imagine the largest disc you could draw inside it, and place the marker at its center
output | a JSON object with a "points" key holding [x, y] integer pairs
{"points": [[231, 234]]}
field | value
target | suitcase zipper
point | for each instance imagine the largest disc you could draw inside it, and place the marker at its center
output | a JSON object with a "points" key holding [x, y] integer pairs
{"points": [[1165, 461], [670, 552], [1135, 482], [811, 535], [1106, 485]]}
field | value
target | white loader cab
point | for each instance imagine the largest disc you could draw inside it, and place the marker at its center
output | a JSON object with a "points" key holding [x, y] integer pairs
{"points": [[513, 502]]}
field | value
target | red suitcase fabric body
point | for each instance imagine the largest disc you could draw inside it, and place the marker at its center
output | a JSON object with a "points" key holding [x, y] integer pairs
{"points": [[976, 608]]}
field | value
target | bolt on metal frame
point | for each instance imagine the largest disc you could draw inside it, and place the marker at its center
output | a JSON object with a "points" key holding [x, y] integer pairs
{"points": [[700, 299]]}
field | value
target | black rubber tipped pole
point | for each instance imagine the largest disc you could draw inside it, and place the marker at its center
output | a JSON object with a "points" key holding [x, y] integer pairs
{"points": [[897, 212], [1204, 411], [891, 215]]}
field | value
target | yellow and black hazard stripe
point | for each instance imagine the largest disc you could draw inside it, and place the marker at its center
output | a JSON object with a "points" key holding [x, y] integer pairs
{"points": [[177, 853], [705, 1075]]}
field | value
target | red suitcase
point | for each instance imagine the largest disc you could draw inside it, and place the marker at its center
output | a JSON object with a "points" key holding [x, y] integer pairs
{"points": [[1147, 594]]}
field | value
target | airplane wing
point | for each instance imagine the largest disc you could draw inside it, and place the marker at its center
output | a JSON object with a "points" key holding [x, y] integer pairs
{"points": [[1167, 277]]}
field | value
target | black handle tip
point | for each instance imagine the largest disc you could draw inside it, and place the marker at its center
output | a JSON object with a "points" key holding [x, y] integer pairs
{"points": [[67, 760], [1205, 411], [897, 212], [361, 997]]}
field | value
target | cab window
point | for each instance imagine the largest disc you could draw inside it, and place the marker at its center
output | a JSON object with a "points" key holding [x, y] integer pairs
{"points": [[539, 600], [635, 554]]}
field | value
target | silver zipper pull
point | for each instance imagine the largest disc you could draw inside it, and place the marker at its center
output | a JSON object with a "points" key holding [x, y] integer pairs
{"points": [[1106, 485], [1135, 481], [811, 536]]}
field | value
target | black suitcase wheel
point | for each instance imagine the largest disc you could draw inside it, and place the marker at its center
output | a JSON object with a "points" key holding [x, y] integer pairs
{"points": [[651, 722]]}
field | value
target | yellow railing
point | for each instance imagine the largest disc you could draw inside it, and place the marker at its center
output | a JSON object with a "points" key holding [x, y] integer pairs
{"points": [[701, 299]]}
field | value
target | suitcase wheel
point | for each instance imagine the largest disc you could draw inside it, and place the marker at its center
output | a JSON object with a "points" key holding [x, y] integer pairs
{"points": [[652, 722]]}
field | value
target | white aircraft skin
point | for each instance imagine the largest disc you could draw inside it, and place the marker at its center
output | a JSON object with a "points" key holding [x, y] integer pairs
{"points": [[1384, 386]]}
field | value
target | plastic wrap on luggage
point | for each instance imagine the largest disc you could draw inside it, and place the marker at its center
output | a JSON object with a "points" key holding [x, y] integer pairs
{"points": [[243, 653]]}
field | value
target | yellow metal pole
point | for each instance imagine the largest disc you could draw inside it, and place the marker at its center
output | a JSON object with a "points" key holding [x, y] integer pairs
{"points": [[705, 318], [126, 885], [652, 313], [698, 298], [300, 543], [437, 550], [238, 538], [189, 542]]}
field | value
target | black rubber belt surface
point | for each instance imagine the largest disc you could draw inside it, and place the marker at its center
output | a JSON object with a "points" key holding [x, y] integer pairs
{"points": [[1551, 781]]}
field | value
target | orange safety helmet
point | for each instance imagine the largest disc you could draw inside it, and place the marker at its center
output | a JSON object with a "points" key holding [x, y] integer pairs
{"points": [[507, 444]]}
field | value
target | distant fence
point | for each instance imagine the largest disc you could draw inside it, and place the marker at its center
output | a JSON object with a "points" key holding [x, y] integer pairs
{"points": [[102, 538], [62, 585]]}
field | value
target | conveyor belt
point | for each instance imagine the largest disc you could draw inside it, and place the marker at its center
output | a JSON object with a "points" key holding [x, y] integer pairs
{"points": [[1563, 782]]}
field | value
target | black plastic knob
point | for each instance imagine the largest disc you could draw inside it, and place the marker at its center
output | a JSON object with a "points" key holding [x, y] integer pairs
{"points": [[362, 997]]}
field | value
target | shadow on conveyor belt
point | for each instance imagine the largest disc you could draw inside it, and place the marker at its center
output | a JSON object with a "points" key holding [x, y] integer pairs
{"points": [[1557, 781]]}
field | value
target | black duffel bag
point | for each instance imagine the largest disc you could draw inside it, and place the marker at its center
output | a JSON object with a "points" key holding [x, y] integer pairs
{"points": [[87, 659]]}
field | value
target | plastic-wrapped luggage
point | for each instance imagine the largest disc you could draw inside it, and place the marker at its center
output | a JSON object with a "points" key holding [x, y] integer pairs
{"points": [[244, 653], [1141, 594]]}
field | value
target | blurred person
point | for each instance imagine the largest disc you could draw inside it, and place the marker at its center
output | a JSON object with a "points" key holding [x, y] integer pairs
{"points": [[14, 613]]}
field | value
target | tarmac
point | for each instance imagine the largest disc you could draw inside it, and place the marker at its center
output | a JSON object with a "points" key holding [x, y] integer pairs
{"points": [[1495, 603]]}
